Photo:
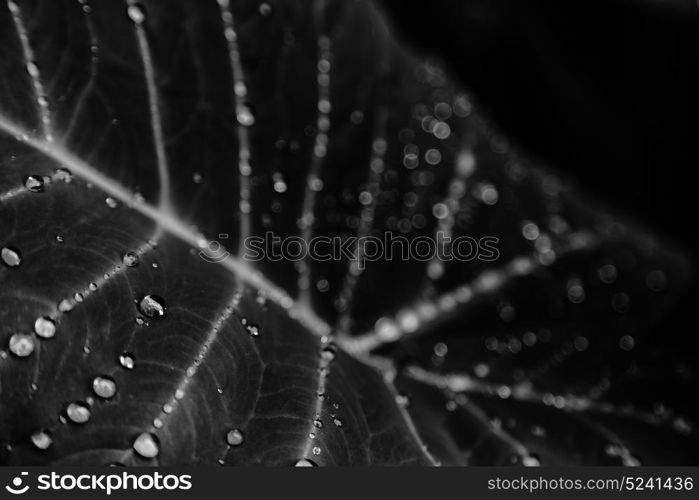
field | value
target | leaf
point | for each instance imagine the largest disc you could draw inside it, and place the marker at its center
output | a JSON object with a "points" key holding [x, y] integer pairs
{"points": [[139, 139]]}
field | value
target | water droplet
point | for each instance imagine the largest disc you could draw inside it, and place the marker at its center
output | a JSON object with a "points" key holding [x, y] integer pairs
{"points": [[531, 461], [11, 256], [318, 423], [111, 202], [265, 9], [126, 360], [130, 259], [146, 445], [63, 174], [328, 353], [304, 462], [152, 306], [316, 450], [21, 344], [337, 421], [34, 183], [78, 413], [104, 386], [45, 327], [42, 439], [245, 116], [252, 330], [136, 13], [65, 306], [234, 437]]}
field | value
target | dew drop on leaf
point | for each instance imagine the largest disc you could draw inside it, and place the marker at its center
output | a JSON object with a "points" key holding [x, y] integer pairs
{"points": [[21, 344], [304, 462], [152, 306], [78, 413], [245, 116], [316, 450], [234, 437], [337, 421], [130, 259], [265, 9], [531, 461], [45, 327], [63, 174], [11, 256], [126, 360], [42, 439], [146, 445], [65, 306], [111, 202], [104, 386], [318, 423], [34, 183]]}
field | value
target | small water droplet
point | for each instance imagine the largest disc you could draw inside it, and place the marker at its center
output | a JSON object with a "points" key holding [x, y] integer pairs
{"points": [[65, 306], [34, 183], [126, 360], [21, 344], [245, 116], [78, 413], [79, 298], [531, 461], [111, 202], [318, 423], [328, 353], [234, 437], [45, 327], [63, 174], [42, 439], [130, 259], [11, 256], [104, 386], [316, 450], [265, 9], [252, 330], [146, 445], [152, 306], [337, 421], [304, 462]]}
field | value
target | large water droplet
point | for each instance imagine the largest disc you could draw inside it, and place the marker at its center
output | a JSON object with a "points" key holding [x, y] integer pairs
{"points": [[104, 386], [11, 256], [21, 344], [234, 437], [304, 462], [45, 327], [78, 413], [146, 445], [152, 306], [42, 439], [34, 183]]}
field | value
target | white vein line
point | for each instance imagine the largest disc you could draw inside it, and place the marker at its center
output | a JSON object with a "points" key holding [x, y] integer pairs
{"points": [[526, 393], [94, 61], [464, 167], [191, 371], [68, 304], [418, 316], [388, 378], [170, 222], [323, 372], [366, 221], [313, 181], [154, 103], [33, 71], [22, 190], [244, 119]]}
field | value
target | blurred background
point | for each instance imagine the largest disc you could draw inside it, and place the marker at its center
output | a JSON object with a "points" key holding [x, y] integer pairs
{"points": [[606, 91]]}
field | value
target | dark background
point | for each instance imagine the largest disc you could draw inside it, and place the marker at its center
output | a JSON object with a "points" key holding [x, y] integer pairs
{"points": [[605, 90]]}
